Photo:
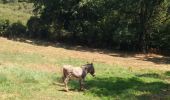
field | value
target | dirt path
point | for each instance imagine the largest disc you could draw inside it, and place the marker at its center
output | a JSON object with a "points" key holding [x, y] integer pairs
{"points": [[137, 61]]}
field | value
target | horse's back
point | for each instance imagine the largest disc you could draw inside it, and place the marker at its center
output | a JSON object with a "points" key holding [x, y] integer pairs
{"points": [[75, 71], [67, 66], [78, 71]]}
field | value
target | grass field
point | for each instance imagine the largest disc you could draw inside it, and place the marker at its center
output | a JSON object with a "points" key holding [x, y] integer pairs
{"points": [[32, 71], [16, 12]]}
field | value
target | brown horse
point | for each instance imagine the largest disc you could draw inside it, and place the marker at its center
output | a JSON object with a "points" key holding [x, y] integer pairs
{"points": [[79, 73]]}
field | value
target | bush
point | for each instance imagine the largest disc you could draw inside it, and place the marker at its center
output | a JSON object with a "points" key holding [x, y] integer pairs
{"points": [[36, 29], [12, 30], [16, 30], [4, 25]]}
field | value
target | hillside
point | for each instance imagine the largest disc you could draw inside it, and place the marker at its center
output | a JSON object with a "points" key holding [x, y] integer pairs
{"points": [[32, 69], [16, 12]]}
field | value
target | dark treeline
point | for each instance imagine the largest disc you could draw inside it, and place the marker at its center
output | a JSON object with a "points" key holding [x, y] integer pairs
{"points": [[14, 1], [130, 25]]}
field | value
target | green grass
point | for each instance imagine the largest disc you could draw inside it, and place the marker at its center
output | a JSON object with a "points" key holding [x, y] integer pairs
{"points": [[18, 57], [111, 82], [16, 12], [19, 80]]}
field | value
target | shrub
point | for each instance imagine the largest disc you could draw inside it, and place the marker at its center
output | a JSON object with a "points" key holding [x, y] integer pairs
{"points": [[4, 25], [12, 30], [36, 29], [16, 30]]}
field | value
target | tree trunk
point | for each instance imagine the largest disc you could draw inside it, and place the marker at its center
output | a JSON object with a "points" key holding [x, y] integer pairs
{"points": [[143, 30]]}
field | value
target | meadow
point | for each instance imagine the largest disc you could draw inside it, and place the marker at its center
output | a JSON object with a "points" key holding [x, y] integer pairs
{"points": [[16, 12], [32, 69]]}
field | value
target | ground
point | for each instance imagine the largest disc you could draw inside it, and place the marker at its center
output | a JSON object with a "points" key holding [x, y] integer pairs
{"points": [[31, 69]]}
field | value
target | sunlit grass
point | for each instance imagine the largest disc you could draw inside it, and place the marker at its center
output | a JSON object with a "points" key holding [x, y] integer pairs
{"points": [[20, 80], [15, 12]]}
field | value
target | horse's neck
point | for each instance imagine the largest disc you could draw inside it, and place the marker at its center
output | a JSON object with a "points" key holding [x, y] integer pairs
{"points": [[84, 67], [85, 70], [84, 73]]}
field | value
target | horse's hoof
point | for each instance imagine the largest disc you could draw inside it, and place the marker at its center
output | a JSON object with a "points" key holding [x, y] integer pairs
{"points": [[66, 90]]}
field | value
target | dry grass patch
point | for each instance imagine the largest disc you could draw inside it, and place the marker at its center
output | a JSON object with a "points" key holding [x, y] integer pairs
{"points": [[53, 51]]}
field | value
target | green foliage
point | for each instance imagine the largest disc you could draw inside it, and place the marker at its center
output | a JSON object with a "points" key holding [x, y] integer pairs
{"points": [[37, 28], [4, 24], [12, 30], [163, 38], [16, 29], [13, 19], [126, 25]]}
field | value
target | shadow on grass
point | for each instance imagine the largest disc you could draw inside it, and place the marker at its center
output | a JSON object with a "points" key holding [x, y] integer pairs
{"points": [[163, 76], [167, 73], [115, 86], [150, 75], [159, 60], [76, 47]]}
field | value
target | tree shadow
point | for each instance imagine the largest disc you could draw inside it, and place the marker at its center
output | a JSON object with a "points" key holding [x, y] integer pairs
{"points": [[167, 73], [111, 87], [72, 46], [115, 86], [158, 60], [76, 47], [63, 90], [150, 75], [163, 76]]}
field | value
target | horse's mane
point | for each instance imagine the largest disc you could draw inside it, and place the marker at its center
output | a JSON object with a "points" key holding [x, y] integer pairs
{"points": [[85, 66]]}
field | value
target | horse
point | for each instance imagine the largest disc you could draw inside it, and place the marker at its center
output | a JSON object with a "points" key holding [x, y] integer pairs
{"points": [[78, 73]]}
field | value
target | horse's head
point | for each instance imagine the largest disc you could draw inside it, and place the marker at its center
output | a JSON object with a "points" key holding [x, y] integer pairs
{"points": [[90, 69]]}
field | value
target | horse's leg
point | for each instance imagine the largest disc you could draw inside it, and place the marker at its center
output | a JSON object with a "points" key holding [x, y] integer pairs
{"points": [[83, 83], [63, 78], [66, 82], [80, 82]]}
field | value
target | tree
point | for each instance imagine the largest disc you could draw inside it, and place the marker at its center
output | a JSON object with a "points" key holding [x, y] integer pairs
{"points": [[148, 15], [122, 24]]}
